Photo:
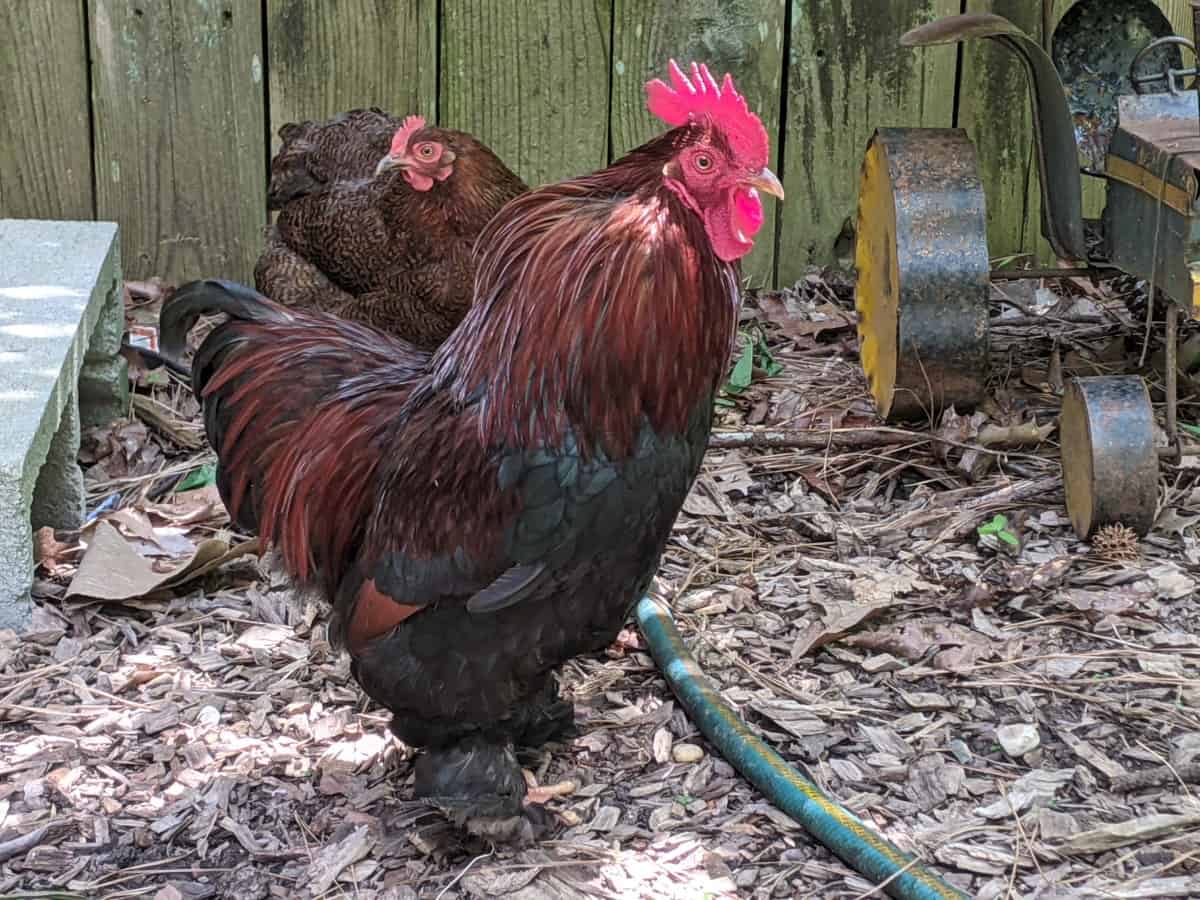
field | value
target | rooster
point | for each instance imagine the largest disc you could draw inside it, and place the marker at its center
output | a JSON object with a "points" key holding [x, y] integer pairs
{"points": [[480, 514], [377, 220]]}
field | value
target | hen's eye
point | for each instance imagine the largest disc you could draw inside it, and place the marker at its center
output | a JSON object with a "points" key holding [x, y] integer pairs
{"points": [[426, 150], [703, 163]]}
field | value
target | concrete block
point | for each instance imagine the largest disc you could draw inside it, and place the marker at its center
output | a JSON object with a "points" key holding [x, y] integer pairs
{"points": [[59, 497], [104, 378], [59, 281]]}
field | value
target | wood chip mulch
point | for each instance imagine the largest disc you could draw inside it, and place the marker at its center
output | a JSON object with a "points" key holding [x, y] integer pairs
{"points": [[1019, 708]]}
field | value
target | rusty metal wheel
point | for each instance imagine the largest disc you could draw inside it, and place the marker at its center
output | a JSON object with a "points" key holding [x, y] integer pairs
{"points": [[922, 260], [1109, 461]]}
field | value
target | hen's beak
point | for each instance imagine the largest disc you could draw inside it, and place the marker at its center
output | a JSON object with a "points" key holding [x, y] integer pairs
{"points": [[766, 182], [389, 162]]}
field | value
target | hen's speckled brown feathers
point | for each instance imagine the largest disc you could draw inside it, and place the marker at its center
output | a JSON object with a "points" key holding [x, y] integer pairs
{"points": [[369, 247], [316, 154]]}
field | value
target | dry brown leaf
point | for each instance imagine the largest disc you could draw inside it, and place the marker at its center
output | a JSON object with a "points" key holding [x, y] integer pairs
{"points": [[1171, 582], [1133, 831], [111, 569], [1096, 604], [120, 450], [698, 504], [50, 553], [192, 507], [332, 859], [1035, 789], [915, 640], [964, 657], [798, 320], [1051, 573], [840, 619], [500, 882]]}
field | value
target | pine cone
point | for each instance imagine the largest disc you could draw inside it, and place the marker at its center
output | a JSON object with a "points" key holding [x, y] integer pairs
{"points": [[1116, 542]]}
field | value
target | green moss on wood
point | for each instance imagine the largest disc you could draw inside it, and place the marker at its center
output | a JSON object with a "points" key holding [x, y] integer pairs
{"points": [[847, 75]]}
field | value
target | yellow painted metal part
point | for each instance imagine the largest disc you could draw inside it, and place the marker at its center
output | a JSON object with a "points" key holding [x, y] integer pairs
{"points": [[921, 255], [1079, 478], [877, 293], [1194, 271], [1148, 183]]}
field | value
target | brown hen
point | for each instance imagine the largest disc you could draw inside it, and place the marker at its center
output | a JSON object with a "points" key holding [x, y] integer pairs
{"points": [[377, 221]]}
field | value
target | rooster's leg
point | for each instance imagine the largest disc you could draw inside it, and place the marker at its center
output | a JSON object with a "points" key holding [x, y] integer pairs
{"points": [[545, 717]]}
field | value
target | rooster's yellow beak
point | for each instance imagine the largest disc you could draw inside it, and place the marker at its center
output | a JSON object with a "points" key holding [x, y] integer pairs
{"points": [[766, 182]]}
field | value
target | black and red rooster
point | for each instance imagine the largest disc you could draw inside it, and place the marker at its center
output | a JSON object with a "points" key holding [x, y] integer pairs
{"points": [[479, 514]]}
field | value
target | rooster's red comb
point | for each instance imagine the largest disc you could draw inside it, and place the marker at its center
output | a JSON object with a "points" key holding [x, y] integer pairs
{"points": [[410, 126], [687, 99]]}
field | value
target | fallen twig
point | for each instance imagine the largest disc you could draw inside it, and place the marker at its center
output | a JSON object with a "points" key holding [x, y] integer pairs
{"points": [[975, 511], [19, 846], [1148, 778], [1026, 433], [162, 418], [837, 437]]}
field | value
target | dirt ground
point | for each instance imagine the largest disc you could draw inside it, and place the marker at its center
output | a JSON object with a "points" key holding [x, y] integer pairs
{"points": [[1015, 706]]}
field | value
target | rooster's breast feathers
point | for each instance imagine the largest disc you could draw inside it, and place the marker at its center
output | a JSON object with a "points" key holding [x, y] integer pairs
{"points": [[549, 441], [558, 506]]}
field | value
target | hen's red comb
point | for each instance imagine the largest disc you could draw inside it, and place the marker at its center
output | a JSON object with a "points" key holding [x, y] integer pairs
{"points": [[410, 126], [687, 99]]}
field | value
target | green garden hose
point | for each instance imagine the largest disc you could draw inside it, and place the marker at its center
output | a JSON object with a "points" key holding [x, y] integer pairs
{"points": [[852, 841]]}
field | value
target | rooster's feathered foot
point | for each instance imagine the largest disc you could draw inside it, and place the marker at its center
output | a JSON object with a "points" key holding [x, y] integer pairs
{"points": [[479, 785]]}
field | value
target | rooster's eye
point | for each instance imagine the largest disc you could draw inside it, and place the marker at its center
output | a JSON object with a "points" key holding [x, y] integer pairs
{"points": [[703, 163]]}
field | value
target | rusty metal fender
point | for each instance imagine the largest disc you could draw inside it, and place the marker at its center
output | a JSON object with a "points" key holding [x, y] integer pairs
{"points": [[1057, 155]]}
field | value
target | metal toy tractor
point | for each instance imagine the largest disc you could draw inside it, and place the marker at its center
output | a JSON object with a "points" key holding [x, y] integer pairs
{"points": [[922, 258]]}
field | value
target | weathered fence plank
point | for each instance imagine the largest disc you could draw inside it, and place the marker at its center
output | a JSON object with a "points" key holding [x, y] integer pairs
{"points": [[744, 37], [178, 102], [179, 125], [326, 58], [220, 163], [847, 75], [45, 165], [531, 79], [134, 116], [994, 108]]}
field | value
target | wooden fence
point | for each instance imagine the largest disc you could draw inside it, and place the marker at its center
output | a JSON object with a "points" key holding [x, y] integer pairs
{"points": [[161, 114]]}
